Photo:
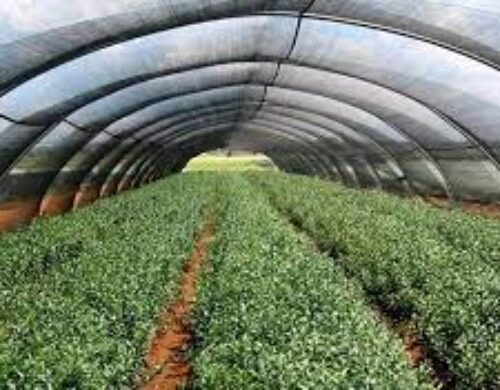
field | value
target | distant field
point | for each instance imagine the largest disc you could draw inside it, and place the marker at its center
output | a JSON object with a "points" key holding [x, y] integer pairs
{"points": [[206, 162]]}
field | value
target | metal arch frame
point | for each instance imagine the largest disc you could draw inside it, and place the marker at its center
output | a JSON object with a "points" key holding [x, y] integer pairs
{"points": [[334, 119], [134, 171], [318, 68], [453, 123], [389, 158], [142, 177], [323, 148], [103, 160], [211, 108], [272, 135], [144, 140], [271, 105], [125, 174], [138, 173], [327, 160], [126, 161], [173, 138], [86, 179], [107, 165], [404, 134], [308, 122], [359, 108], [306, 164], [122, 167], [133, 175], [42, 134], [206, 108], [138, 109], [141, 151], [442, 177], [273, 81], [152, 170], [337, 72], [137, 169], [289, 165], [484, 147], [423, 150], [324, 116], [102, 123], [146, 171], [447, 187], [296, 139], [324, 152], [169, 137], [296, 165], [124, 178], [335, 174], [405, 33], [124, 36], [213, 113]]}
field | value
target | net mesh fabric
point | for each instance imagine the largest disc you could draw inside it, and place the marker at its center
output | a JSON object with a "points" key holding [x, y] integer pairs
{"points": [[376, 93]]}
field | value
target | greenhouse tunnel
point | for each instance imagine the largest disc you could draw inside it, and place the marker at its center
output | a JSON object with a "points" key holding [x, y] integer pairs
{"points": [[98, 97]]}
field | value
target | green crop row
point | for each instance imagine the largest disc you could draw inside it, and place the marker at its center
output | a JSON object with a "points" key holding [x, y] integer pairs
{"points": [[272, 312], [431, 267], [80, 293]]}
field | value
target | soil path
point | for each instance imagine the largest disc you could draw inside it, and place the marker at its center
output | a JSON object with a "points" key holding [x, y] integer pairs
{"points": [[166, 364], [417, 351]]}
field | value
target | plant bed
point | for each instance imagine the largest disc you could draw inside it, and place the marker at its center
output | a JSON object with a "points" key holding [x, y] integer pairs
{"points": [[272, 312], [80, 292], [435, 268]]}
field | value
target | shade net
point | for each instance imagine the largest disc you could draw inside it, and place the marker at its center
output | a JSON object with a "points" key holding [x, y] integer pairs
{"points": [[96, 97]]}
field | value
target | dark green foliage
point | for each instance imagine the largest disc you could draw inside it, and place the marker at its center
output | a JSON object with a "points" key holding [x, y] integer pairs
{"points": [[437, 268], [80, 293], [274, 313]]}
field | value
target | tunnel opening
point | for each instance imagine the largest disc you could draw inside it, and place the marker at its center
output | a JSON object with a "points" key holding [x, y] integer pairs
{"points": [[223, 160]]}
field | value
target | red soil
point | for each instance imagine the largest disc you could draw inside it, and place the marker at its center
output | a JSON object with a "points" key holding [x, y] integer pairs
{"points": [[491, 210], [22, 211], [57, 203], [417, 352], [166, 364], [86, 195], [414, 350], [18, 212]]}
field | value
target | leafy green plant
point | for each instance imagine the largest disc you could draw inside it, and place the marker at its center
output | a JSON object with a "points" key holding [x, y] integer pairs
{"points": [[272, 312], [80, 292], [435, 268]]}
